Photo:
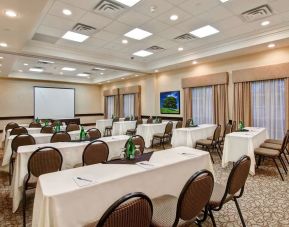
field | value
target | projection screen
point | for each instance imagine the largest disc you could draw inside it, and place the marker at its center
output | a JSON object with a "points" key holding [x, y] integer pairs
{"points": [[54, 103]]}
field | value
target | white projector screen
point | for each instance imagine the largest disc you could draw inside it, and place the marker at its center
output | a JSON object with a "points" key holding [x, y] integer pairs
{"points": [[54, 103]]}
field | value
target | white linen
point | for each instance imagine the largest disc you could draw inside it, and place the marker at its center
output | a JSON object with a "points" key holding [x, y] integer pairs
{"points": [[40, 138], [101, 124], [60, 202], [71, 153], [238, 144], [189, 136], [120, 128], [148, 130]]}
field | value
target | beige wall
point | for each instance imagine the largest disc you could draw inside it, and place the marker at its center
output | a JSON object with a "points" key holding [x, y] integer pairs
{"points": [[171, 80]]}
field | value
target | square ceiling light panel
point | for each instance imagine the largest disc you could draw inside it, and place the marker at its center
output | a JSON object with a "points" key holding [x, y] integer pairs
{"points": [[138, 34], [129, 3], [205, 31], [76, 37], [142, 53]]}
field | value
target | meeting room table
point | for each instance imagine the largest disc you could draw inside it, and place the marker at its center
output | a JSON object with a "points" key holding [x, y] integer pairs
{"points": [[148, 130], [238, 144], [189, 136], [40, 138], [102, 123], [72, 156], [64, 199], [120, 127]]}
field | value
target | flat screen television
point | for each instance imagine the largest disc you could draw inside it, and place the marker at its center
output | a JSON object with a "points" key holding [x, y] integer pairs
{"points": [[170, 102]]}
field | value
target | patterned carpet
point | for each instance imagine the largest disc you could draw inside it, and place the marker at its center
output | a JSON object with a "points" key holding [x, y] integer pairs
{"points": [[265, 201]]}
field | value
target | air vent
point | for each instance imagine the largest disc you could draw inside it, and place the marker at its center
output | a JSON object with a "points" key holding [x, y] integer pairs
{"points": [[84, 29], [256, 13], [45, 38], [185, 37], [45, 62], [155, 48], [109, 8]]}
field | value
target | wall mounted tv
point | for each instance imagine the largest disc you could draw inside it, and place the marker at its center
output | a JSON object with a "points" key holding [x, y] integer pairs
{"points": [[170, 102]]}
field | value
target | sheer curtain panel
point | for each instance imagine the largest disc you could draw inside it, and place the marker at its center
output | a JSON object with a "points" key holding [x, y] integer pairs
{"points": [[110, 106], [128, 105]]}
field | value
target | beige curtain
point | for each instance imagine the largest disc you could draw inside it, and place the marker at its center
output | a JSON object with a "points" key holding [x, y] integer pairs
{"points": [[117, 105], [187, 104], [286, 81], [137, 104], [242, 103], [221, 110], [105, 107]]}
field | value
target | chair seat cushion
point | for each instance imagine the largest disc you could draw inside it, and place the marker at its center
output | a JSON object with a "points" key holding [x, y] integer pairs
{"points": [[271, 146], [273, 141], [204, 142], [164, 214], [217, 195], [266, 152], [159, 135], [131, 130], [211, 138]]}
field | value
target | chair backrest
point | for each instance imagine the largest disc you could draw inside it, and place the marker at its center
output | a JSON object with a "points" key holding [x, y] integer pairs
{"points": [[22, 140], [150, 120], [138, 140], [227, 130], [19, 130], [94, 133], [47, 129], [11, 125], [116, 119], [44, 160], [34, 125], [72, 127], [95, 152], [188, 123], [169, 128], [234, 126], [237, 177], [179, 124], [139, 122], [127, 119], [54, 123], [194, 196], [217, 133], [285, 141], [60, 137], [132, 210]]}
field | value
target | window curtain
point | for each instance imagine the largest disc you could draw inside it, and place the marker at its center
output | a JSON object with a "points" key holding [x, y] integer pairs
{"points": [[286, 86], [202, 105], [137, 104], [242, 103], [187, 104], [221, 108], [109, 106], [129, 105], [268, 106]]}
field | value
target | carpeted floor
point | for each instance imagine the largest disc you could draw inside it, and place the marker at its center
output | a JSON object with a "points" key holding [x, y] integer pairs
{"points": [[265, 201]]}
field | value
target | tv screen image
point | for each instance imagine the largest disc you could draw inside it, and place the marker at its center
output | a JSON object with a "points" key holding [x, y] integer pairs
{"points": [[170, 102]]}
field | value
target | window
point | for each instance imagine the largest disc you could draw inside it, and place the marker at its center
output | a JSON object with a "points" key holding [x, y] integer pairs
{"points": [[128, 105], [268, 106], [202, 105], [110, 106]]}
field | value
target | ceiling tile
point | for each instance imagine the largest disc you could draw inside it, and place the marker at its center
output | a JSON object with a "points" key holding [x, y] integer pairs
{"points": [[154, 26], [83, 4], [238, 7], [94, 42], [195, 7], [171, 33], [228, 23], [280, 6], [133, 18], [165, 17], [191, 24], [58, 6], [46, 30], [58, 22], [176, 2], [95, 20], [219, 13], [160, 7], [118, 28], [104, 35]]}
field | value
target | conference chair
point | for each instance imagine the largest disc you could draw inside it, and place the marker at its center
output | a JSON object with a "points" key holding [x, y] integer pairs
{"points": [[233, 190], [60, 137], [132, 131], [276, 142], [162, 137], [108, 129], [43, 160], [179, 124], [227, 130], [184, 211], [72, 127], [132, 210], [150, 120], [188, 123], [11, 125], [35, 125], [93, 133], [95, 152], [47, 129], [234, 126], [137, 140], [18, 130]]}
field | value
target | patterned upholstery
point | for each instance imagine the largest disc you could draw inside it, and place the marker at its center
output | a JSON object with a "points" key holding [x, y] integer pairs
{"points": [[188, 123], [18, 131], [60, 137], [94, 133], [138, 140], [179, 124], [267, 152], [72, 127], [22, 140], [273, 141], [95, 152], [217, 196], [35, 125], [271, 146], [47, 129], [150, 120]]}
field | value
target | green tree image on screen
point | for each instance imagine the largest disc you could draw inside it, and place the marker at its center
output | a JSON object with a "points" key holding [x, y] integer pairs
{"points": [[170, 102]]}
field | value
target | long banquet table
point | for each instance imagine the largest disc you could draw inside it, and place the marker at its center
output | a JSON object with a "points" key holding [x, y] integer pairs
{"points": [[61, 201], [71, 153], [40, 138], [238, 144], [120, 128], [102, 123], [189, 136]]}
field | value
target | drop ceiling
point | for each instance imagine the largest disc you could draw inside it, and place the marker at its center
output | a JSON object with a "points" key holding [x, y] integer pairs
{"points": [[39, 29]]}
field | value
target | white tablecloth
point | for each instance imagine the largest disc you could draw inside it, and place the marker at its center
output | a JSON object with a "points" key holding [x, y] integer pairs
{"points": [[238, 144], [40, 138], [60, 202], [148, 130], [101, 124], [189, 136], [120, 128], [71, 153]]}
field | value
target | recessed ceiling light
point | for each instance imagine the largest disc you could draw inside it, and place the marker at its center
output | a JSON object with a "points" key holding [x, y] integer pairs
{"points": [[180, 49], [122, 78], [25, 64], [124, 41], [66, 12], [195, 62], [138, 34], [129, 3], [83, 74], [3, 44], [38, 70], [10, 13], [73, 36], [223, 1], [174, 17], [96, 68], [1, 57], [68, 69], [20, 70], [205, 31], [271, 45], [142, 53], [156, 71], [265, 23], [136, 75], [101, 73]]}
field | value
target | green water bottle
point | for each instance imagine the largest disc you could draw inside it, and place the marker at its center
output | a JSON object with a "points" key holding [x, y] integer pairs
{"points": [[81, 136], [130, 150], [46, 123], [241, 126]]}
